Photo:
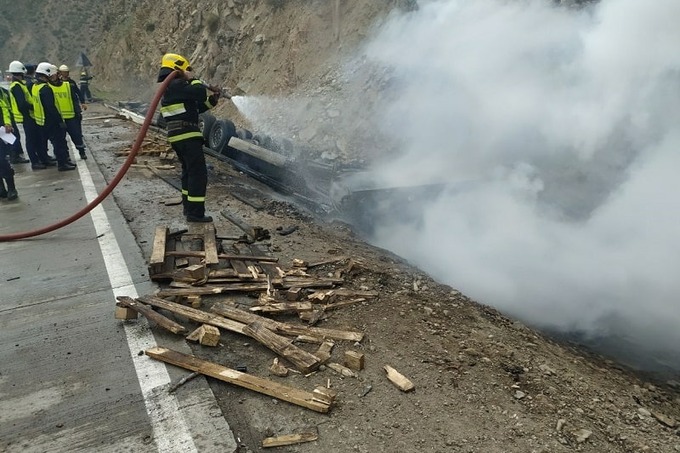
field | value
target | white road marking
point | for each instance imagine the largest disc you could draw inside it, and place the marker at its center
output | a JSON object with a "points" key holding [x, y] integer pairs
{"points": [[170, 429]]}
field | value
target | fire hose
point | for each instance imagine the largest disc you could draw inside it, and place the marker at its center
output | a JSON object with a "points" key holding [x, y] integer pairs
{"points": [[113, 183]]}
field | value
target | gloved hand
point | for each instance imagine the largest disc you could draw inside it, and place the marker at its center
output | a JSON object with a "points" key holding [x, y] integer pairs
{"points": [[8, 128]]}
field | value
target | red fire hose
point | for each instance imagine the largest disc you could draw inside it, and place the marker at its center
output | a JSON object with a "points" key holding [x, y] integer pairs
{"points": [[114, 182]]}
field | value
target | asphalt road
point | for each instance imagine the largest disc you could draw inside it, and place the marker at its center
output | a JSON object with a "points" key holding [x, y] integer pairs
{"points": [[71, 376]]}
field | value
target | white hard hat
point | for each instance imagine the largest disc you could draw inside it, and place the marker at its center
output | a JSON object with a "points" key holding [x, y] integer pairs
{"points": [[45, 68], [17, 67], [63, 68]]}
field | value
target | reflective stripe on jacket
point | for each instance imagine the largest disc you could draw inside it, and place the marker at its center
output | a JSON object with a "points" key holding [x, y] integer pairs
{"points": [[180, 106]]}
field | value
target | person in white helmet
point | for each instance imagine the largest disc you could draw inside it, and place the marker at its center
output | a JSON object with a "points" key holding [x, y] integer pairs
{"points": [[22, 108], [16, 151], [7, 188], [68, 103], [48, 118]]}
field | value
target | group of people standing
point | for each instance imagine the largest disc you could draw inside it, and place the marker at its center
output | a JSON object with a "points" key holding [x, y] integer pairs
{"points": [[48, 104]]}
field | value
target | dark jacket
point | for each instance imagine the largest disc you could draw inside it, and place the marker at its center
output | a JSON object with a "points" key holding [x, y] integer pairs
{"points": [[181, 104]]}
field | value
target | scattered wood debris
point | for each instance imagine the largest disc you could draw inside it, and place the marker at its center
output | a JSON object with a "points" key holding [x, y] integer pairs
{"points": [[267, 387], [398, 379], [277, 369], [206, 335]]}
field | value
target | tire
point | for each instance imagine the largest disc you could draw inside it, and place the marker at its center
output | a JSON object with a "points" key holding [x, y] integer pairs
{"points": [[205, 123], [220, 133]]}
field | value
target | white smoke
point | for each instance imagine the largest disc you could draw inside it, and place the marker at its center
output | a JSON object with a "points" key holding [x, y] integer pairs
{"points": [[569, 122]]}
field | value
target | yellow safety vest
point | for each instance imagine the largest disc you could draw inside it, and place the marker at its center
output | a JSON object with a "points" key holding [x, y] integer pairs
{"points": [[5, 109], [18, 117], [63, 100], [38, 109]]}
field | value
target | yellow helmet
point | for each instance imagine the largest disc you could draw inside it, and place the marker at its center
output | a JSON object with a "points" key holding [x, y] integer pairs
{"points": [[175, 61]]}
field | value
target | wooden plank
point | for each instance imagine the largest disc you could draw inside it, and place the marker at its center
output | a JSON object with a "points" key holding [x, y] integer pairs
{"points": [[269, 269], [303, 360], [283, 346], [241, 269], [254, 233], [158, 251], [398, 379], [151, 315], [283, 307], [194, 314], [289, 439], [343, 370], [267, 387], [210, 244], [222, 256], [325, 395], [242, 287], [288, 329]]}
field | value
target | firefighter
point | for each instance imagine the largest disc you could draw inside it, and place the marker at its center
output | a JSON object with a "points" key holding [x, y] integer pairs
{"points": [[65, 75], [68, 104], [85, 78], [182, 102], [7, 188], [47, 117], [22, 107]]}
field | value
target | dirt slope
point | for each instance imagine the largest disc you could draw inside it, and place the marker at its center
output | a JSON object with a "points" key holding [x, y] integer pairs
{"points": [[483, 382]]}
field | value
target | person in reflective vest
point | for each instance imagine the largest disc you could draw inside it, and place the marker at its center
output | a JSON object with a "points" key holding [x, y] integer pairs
{"points": [[66, 100], [7, 188], [47, 116], [182, 102], [22, 108]]}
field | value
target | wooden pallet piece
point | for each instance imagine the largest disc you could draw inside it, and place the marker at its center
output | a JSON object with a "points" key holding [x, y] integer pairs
{"points": [[271, 270], [265, 386], [151, 315], [210, 244], [158, 251], [303, 360], [283, 328]]}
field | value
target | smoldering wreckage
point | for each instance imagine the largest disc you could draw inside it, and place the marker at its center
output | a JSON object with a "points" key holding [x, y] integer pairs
{"points": [[193, 264]]}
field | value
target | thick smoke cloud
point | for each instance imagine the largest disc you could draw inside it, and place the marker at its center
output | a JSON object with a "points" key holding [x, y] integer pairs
{"points": [[567, 122]]}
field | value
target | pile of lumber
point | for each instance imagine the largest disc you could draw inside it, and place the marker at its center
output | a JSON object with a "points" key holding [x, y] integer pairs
{"points": [[193, 265]]}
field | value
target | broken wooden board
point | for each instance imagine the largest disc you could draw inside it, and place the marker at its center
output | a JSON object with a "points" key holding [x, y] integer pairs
{"points": [[282, 307], [289, 439], [241, 269], [324, 351], [354, 360], [324, 395], [222, 256], [254, 233], [158, 252], [242, 287], [398, 379], [210, 244], [267, 387], [283, 328], [343, 370], [303, 360], [206, 335], [151, 315], [283, 346], [277, 369]]}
